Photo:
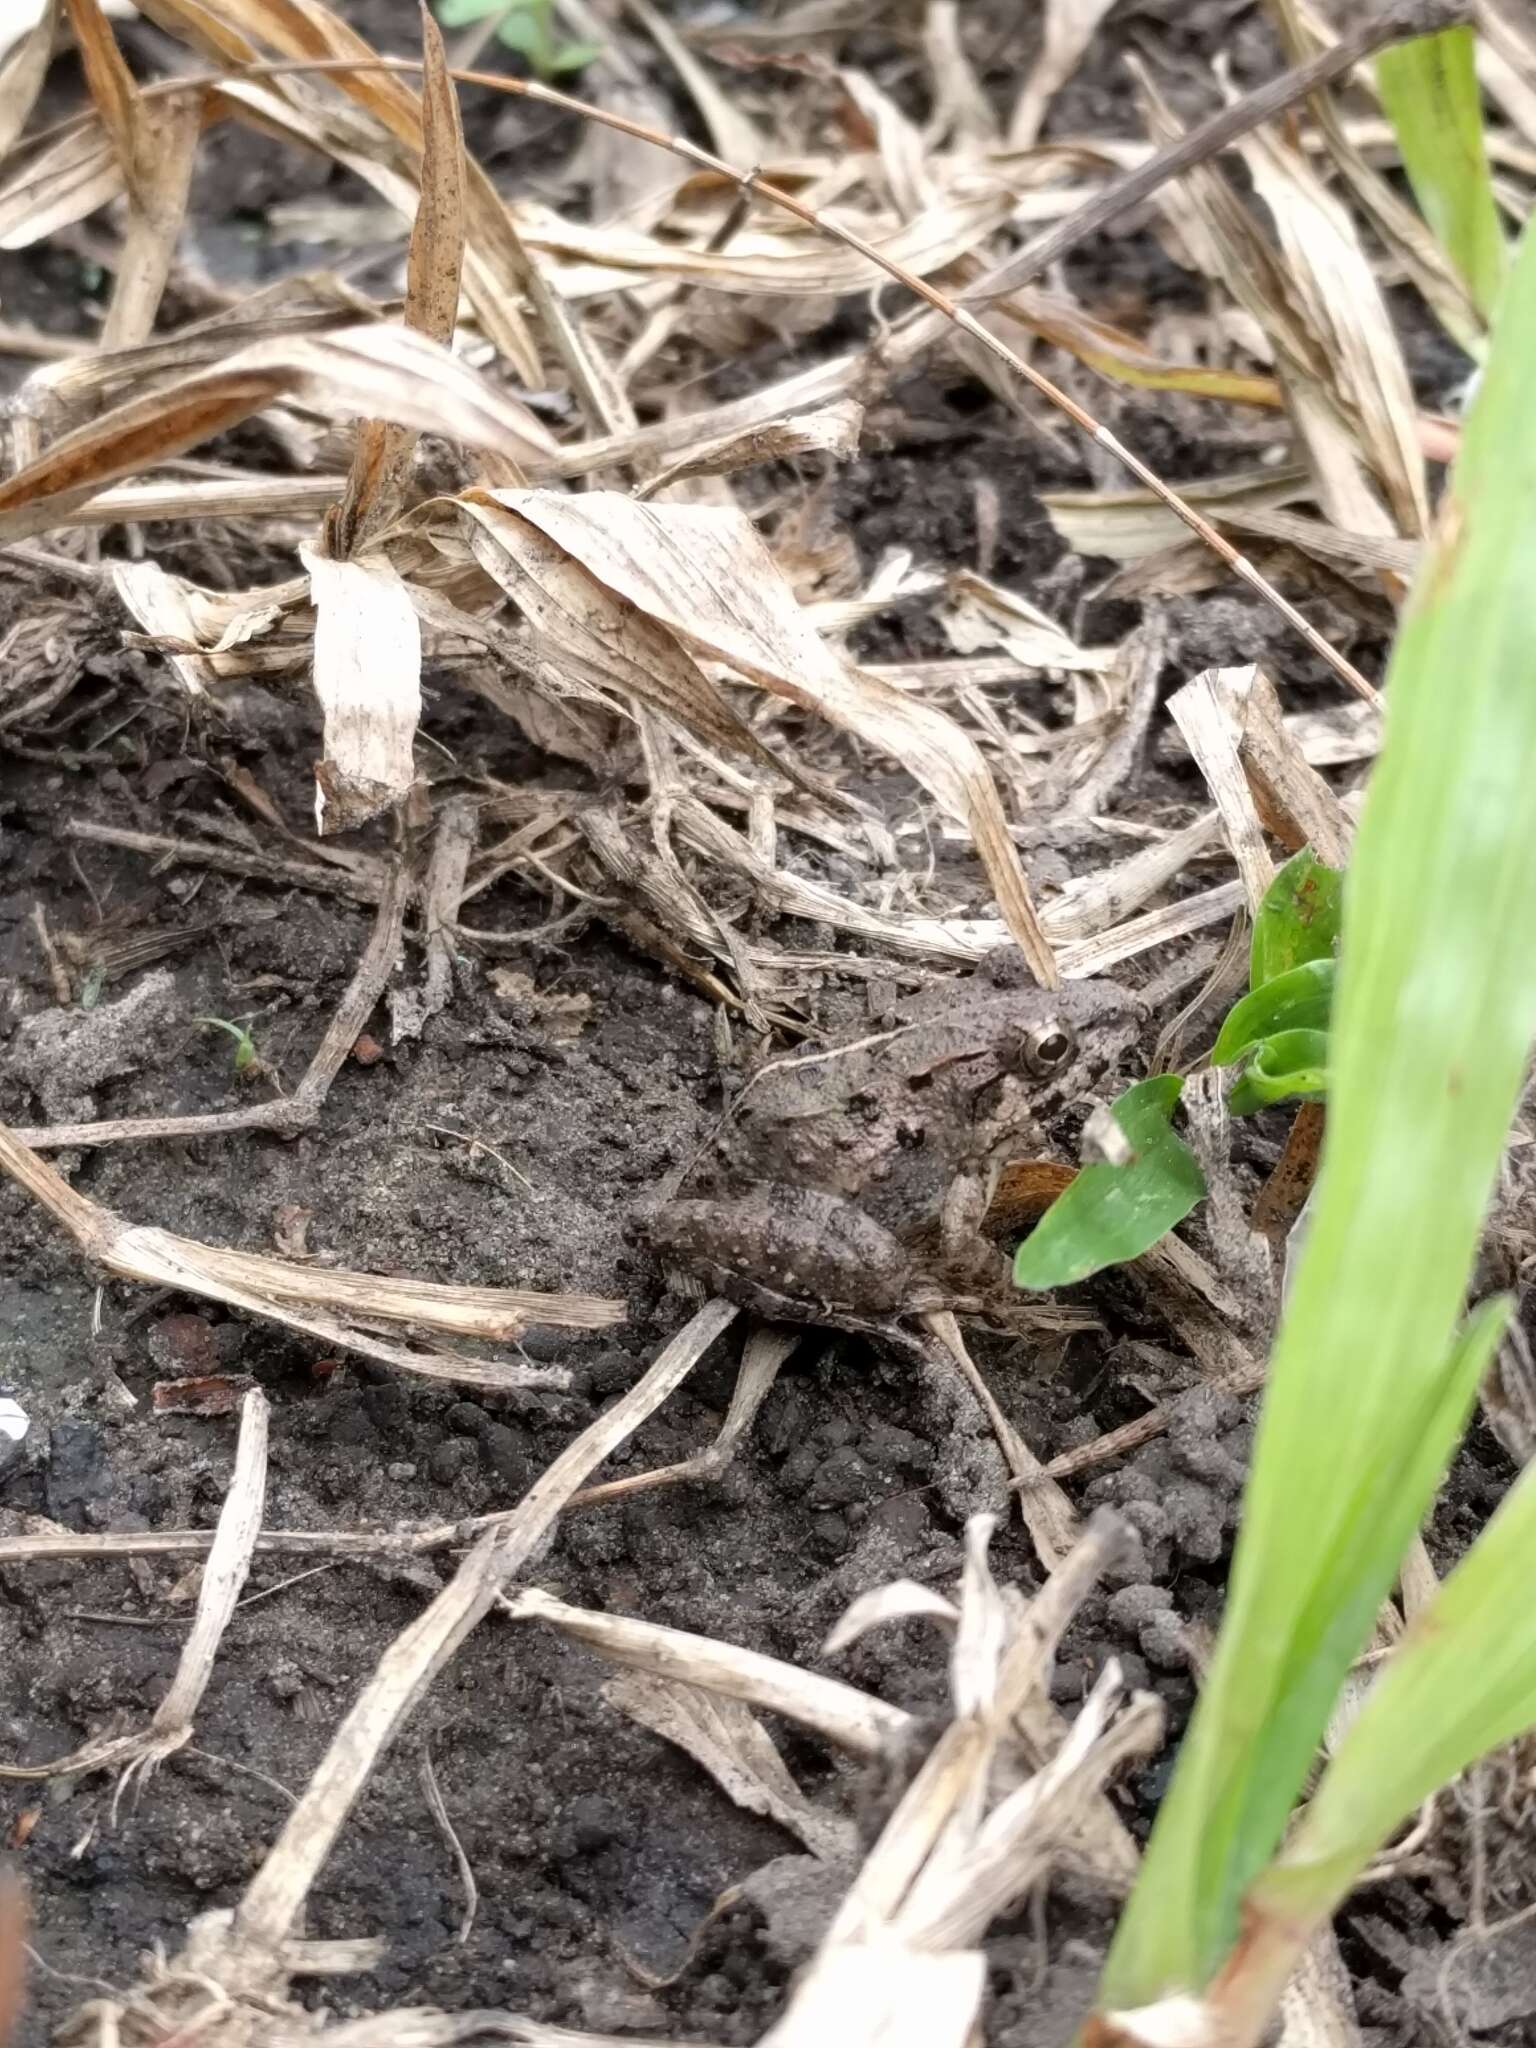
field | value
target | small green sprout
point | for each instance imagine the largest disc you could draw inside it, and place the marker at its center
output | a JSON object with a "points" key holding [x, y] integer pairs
{"points": [[1278, 1035], [245, 1045], [527, 26]]}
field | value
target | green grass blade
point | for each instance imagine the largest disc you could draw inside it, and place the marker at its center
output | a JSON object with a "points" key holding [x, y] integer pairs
{"points": [[1429, 89], [1434, 1016], [1461, 1682]]}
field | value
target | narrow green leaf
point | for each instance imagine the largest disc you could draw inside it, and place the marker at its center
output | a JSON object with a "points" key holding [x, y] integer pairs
{"points": [[1110, 1214], [1291, 1065], [1298, 919], [1300, 1000], [1461, 1682], [1429, 89], [245, 1045], [1429, 1041]]}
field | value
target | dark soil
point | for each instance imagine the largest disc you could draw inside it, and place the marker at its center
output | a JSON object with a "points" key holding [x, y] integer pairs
{"points": [[598, 1849]]}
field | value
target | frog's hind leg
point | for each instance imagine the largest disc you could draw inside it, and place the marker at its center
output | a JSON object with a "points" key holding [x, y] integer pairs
{"points": [[767, 1347]]}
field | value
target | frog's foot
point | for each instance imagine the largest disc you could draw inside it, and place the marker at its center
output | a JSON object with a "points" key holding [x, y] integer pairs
{"points": [[975, 1283], [767, 1347]]}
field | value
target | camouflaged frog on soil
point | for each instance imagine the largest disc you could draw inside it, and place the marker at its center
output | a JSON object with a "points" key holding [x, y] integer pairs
{"points": [[850, 1184]]}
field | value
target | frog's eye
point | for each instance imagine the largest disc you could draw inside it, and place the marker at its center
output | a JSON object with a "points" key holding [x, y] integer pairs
{"points": [[1048, 1046]]}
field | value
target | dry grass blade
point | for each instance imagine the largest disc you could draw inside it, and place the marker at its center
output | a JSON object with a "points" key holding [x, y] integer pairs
{"points": [[832, 430], [1368, 378], [851, 1720], [165, 144], [338, 1307], [1209, 713], [885, 1995], [1295, 802], [1318, 302], [732, 133], [22, 71], [791, 266], [368, 679], [64, 393], [1068, 30], [110, 82], [206, 633], [381, 466], [385, 371], [229, 1562], [1125, 526], [704, 575], [1402, 228], [67, 181]]}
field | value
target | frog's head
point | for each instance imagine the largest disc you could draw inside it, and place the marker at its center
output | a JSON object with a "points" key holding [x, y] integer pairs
{"points": [[1061, 1043]]}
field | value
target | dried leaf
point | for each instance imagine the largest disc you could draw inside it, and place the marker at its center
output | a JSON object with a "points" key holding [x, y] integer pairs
{"points": [[884, 1994], [1116, 354], [725, 1737], [834, 431], [599, 637], [903, 154], [204, 27], [1209, 712], [1126, 525], [368, 680], [22, 71], [382, 370], [382, 463], [961, 108], [704, 574], [898, 1600], [984, 614], [196, 625]]}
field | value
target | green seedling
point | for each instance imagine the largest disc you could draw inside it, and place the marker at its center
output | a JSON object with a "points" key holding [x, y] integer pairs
{"points": [[245, 1045], [526, 26], [1277, 1035], [1111, 1214]]}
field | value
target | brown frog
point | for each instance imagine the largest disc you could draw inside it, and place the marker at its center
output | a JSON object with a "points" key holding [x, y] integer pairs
{"points": [[850, 1184]]}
